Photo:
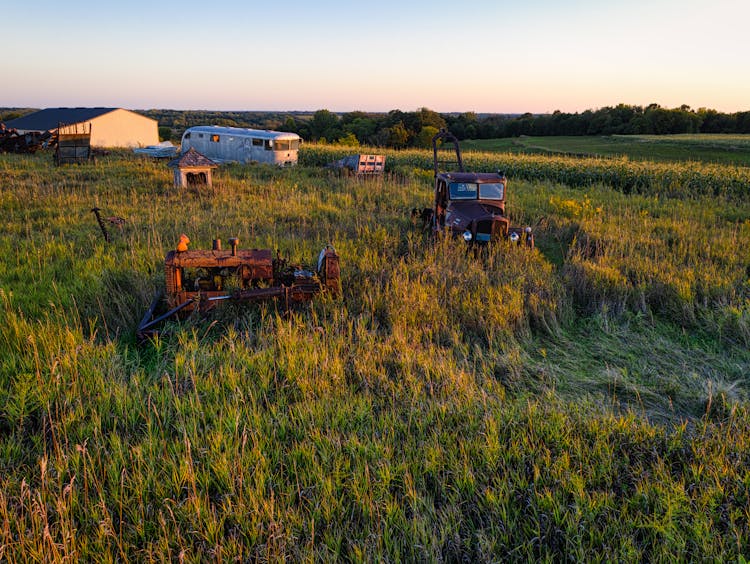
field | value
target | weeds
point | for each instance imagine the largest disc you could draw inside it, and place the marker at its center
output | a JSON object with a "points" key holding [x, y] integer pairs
{"points": [[585, 400]]}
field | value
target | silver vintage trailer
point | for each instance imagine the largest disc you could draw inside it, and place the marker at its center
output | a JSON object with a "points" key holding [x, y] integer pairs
{"points": [[224, 144]]}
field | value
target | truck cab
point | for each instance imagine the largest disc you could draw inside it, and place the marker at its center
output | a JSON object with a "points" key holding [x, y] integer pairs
{"points": [[472, 204]]}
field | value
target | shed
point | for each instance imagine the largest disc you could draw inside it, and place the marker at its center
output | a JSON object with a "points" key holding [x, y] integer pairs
{"points": [[110, 127], [192, 169]]}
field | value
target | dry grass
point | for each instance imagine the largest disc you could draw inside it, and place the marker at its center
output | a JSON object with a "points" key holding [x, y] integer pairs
{"points": [[587, 400]]}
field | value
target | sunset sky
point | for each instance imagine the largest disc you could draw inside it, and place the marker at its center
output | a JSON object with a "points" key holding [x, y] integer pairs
{"points": [[468, 55]]}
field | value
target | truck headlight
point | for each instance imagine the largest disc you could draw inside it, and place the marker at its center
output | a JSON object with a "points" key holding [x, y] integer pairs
{"points": [[514, 237], [467, 236]]}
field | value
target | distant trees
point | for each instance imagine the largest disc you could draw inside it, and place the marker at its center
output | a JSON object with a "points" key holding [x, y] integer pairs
{"points": [[622, 119], [401, 129], [395, 129], [361, 126], [464, 126], [165, 133], [349, 140], [325, 126], [424, 138], [180, 120], [398, 136], [7, 114]]}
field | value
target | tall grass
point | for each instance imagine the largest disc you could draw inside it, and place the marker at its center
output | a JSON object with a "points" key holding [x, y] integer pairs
{"points": [[448, 406]]}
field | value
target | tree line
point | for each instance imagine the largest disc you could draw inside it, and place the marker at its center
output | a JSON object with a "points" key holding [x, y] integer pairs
{"points": [[415, 129], [398, 129], [624, 119]]}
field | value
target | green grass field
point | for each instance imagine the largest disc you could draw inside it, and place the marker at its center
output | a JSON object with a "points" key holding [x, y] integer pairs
{"points": [[722, 149], [587, 400]]}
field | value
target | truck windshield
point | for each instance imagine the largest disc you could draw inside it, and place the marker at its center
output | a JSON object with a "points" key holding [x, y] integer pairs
{"points": [[463, 191], [493, 191]]}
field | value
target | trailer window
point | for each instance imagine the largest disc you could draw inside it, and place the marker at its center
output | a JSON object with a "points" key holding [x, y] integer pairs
{"points": [[215, 138], [257, 142], [187, 135], [268, 145]]}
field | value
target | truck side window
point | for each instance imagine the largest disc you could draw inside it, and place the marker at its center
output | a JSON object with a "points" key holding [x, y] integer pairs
{"points": [[442, 194]]}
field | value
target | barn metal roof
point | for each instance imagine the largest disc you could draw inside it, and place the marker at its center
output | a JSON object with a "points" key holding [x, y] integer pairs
{"points": [[49, 118]]}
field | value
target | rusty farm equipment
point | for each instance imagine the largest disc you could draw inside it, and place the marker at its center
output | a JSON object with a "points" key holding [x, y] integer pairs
{"points": [[11, 141], [200, 280]]}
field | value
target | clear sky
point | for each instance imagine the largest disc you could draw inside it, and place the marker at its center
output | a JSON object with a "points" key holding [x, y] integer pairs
{"points": [[343, 55]]}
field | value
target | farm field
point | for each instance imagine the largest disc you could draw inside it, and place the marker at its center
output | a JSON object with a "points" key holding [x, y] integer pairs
{"points": [[718, 148], [586, 400]]}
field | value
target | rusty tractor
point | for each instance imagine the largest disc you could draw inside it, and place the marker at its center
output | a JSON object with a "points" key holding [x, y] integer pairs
{"points": [[200, 280]]}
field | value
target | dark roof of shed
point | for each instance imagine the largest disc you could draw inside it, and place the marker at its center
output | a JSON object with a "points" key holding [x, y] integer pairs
{"points": [[50, 118], [192, 158]]}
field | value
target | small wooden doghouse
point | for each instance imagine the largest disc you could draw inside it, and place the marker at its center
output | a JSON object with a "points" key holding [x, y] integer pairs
{"points": [[192, 169]]}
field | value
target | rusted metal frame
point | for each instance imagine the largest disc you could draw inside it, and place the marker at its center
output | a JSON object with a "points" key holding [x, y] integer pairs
{"points": [[296, 293], [101, 224], [71, 138], [447, 135], [151, 309], [162, 317], [252, 257]]}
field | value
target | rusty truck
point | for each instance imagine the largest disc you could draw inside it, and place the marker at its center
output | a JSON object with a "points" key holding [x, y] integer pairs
{"points": [[470, 205]]}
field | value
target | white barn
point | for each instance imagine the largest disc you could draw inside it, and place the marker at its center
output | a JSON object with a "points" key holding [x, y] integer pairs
{"points": [[227, 144], [110, 127]]}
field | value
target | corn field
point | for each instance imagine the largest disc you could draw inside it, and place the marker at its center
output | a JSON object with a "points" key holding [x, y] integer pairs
{"points": [[674, 180]]}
